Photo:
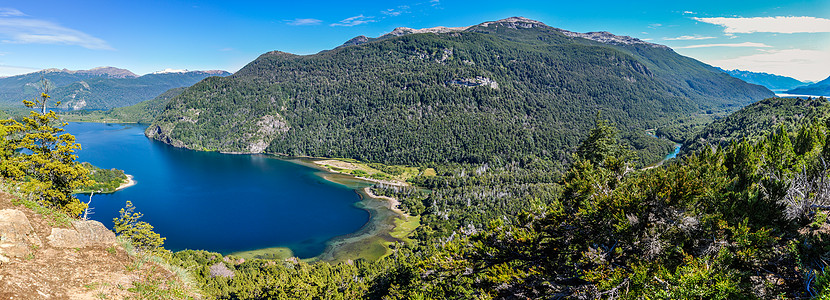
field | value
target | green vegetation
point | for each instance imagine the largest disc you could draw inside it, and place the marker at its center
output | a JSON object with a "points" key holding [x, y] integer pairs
{"points": [[758, 120], [143, 112], [36, 154], [275, 253], [139, 233], [85, 90], [487, 94], [102, 181], [398, 174], [746, 221]]}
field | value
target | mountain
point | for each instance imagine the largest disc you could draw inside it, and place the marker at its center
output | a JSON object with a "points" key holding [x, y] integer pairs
{"points": [[821, 88], [106, 93], [502, 90], [143, 112], [14, 89], [770, 81], [758, 120], [98, 88]]}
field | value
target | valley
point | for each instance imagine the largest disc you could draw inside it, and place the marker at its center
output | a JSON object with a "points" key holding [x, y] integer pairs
{"points": [[503, 159]]}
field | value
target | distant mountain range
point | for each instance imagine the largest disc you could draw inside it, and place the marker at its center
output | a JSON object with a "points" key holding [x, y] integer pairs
{"points": [[98, 88], [821, 88], [770, 81], [502, 90]]}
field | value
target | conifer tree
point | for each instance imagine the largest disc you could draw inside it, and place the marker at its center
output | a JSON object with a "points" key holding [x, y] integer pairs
{"points": [[37, 153]]}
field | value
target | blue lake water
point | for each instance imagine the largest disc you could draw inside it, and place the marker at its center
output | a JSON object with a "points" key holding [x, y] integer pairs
{"points": [[218, 202]]}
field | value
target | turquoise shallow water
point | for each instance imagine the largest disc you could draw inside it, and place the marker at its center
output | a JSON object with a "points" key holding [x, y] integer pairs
{"points": [[218, 202]]}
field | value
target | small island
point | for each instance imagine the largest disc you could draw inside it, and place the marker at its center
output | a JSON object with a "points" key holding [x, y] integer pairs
{"points": [[105, 181]]}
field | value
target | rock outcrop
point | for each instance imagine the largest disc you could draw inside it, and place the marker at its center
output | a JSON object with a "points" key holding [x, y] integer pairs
{"points": [[83, 234], [17, 237]]}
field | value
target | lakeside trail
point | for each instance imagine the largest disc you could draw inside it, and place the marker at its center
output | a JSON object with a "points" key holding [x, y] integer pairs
{"points": [[130, 182]]}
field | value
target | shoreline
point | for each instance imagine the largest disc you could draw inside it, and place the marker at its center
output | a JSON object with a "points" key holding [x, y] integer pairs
{"points": [[371, 241], [328, 163], [130, 182], [393, 202]]}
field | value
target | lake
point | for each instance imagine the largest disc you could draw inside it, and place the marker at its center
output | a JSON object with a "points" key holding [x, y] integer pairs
{"points": [[219, 202]]}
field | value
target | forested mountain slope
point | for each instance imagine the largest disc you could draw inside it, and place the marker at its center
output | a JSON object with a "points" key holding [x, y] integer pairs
{"points": [[770, 81], [14, 89], [758, 120], [500, 90], [99, 88], [105, 93], [821, 88]]}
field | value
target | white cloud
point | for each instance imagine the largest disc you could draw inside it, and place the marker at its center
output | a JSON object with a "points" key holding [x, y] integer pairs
{"points": [[354, 21], [689, 38], [16, 30], [10, 12], [403, 9], [302, 22], [745, 44], [770, 24], [689, 13], [812, 65], [6, 70]]}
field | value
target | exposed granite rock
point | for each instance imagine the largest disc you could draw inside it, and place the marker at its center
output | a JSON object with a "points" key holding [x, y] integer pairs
{"points": [[515, 23], [356, 41], [609, 38], [220, 269], [17, 237], [94, 233], [84, 234], [440, 29], [474, 82], [65, 238]]}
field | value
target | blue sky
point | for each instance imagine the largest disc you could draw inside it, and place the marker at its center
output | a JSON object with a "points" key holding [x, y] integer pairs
{"points": [[790, 38]]}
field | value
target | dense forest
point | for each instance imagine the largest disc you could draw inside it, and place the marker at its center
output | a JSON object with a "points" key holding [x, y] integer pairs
{"points": [[143, 112], [102, 181], [743, 221], [508, 91], [758, 120]]}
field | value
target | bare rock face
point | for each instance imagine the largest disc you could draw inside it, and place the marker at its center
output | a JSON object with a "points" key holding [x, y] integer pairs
{"points": [[220, 269], [93, 233], [84, 234], [65, 238], [17, 237]]}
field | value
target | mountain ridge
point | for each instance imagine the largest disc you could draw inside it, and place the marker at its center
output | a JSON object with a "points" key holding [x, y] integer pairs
{"points": [[821, 88], [97, 88], [511, 22], [768, 80], [529, 88]]}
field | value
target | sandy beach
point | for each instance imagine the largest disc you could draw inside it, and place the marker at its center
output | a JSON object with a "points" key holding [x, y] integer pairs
{"points": [[130, 182]]}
